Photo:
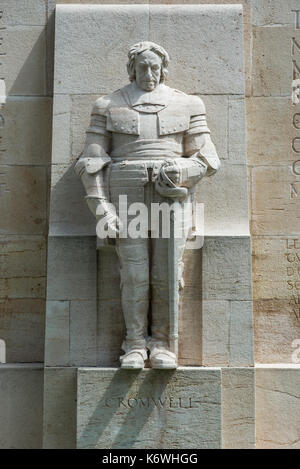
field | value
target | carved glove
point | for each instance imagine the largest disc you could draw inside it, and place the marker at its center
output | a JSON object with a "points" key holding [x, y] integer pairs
{"points": [[176, 177], [94, 178], [105, 212]]}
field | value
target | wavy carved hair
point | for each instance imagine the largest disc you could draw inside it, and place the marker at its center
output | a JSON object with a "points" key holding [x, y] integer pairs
{"points": [[140, 47]]}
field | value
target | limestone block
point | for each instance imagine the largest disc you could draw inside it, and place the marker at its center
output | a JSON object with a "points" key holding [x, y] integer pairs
{"points": [[217, 120], [277, 325], [276, 289], [77, 71], [59, 408], [108, 274], [21, 406], [83, 333], [51, 27], [190, 333], [276, 264], [274, 12], [216, 318], [71, 268], [69, 213], [277, 407], [227, 333], [247, 28], [26, 136], [71, 325], [23, 199], [110, 317], [22, 324], [150, 409], [238, 408], [192, 274], [111, 332], [24, 60], [81, 107], [241, 334], [98, 2], [22, 275], [57, 340], [17, 257], [61, 132], [29, 13], [215, 323], [190, 312], [50, 33], [245, 3], [275, 209], [225, 201], [91, 61], [198, 73], [22, 287], [236, 130], [272, 73], [226, 268], [270, 130]]}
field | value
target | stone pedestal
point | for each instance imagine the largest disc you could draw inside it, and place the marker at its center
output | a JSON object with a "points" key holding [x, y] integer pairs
{"points": [[192, 407], [21, 402], [149, 409]]}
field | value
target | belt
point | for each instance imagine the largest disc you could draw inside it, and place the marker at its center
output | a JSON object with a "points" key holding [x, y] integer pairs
{"points": [[138, 158], [150, 165]]}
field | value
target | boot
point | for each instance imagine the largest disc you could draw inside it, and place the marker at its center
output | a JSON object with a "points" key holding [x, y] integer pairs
{"points": [[161, 358], [134, 359]]}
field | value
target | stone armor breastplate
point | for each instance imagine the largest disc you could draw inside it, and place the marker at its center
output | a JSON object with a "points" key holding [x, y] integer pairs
{"points": [[170, 120]]}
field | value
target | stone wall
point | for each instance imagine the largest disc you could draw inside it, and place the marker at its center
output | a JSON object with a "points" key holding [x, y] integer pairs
{"points": [[26, 65]]}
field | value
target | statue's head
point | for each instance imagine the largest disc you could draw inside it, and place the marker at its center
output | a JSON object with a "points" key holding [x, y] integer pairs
{"points": [[147, 65]]}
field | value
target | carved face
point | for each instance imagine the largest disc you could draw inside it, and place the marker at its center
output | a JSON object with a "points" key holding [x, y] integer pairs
{"points": [[148, 70]]}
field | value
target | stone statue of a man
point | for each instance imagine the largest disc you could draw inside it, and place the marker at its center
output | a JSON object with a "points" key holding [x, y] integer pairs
{"points": [[151, 143]]}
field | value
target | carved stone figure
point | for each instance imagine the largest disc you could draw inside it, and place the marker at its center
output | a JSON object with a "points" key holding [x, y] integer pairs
{"points": [[151, 143]]}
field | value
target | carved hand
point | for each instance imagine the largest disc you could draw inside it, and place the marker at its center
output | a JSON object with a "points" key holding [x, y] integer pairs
{"points": [[106, 213], [185, 172], [173, 173]]}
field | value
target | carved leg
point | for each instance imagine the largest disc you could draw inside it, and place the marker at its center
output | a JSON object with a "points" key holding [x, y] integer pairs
{"points": [[134, 270], [159, 293]]}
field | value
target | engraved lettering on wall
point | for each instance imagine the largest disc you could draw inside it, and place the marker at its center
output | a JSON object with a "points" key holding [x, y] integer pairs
{"points": [[295, 143], [292, 255]]}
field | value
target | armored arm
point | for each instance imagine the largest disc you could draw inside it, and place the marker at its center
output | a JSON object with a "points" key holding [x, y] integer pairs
{"points": [[198, 145], [93, 163], [199, 156]]}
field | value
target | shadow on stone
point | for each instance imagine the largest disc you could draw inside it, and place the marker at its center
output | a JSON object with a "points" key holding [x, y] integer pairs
{"points": [[127, 400]]}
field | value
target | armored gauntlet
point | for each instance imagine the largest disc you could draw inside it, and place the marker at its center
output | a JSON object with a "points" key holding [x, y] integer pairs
{"points": [[176, 177], [93, 173]]}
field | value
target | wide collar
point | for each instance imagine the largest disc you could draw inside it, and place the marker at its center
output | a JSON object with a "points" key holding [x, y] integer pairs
{"points": [[136, 97]]}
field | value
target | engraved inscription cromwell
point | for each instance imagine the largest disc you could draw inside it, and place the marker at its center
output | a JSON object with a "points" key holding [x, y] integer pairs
{"points": [[168, 402], [150, 143]]}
